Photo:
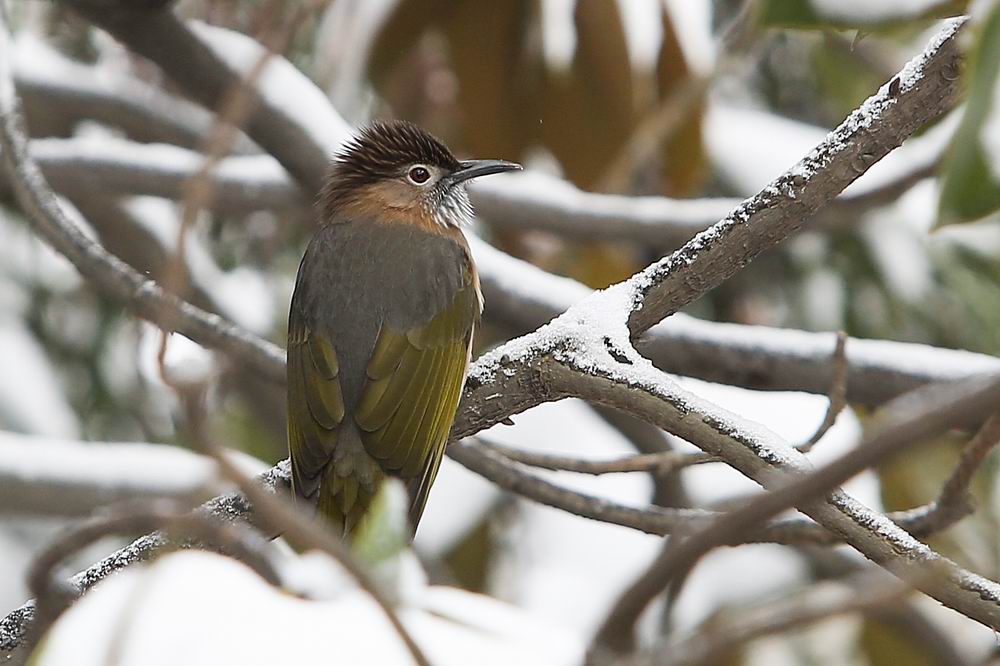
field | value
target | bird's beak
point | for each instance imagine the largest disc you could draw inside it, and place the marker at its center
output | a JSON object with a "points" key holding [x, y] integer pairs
{"points": [[476, 168]]}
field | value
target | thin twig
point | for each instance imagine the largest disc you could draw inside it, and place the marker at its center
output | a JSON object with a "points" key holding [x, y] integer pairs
{"points": [[514, 477], [659, 464], [717, 637], [53, 596], [921, 414], [308, 532], [955, 501], [234, 111], [837, 395]]}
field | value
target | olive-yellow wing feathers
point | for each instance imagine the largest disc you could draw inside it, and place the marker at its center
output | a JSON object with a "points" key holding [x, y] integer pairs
{"points": [[414, 383]]}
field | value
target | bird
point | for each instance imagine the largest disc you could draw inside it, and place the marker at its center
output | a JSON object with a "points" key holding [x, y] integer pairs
{"points": [[381, 322]]}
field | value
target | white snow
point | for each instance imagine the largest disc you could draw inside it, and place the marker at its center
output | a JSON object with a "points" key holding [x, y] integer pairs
{"points": [[897, 240], [185, 361], [921, 360], [281, 84], [343, 40], [457, 504], [32, 395], [123, 469], [558, 34], [243, 294], [751, 148], [643, 31], [198, 608]]}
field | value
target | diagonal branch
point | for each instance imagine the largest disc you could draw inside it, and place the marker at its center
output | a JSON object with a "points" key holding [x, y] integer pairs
{"points": [[524, 296], [591, 338], [921, 414], [924, 89]]}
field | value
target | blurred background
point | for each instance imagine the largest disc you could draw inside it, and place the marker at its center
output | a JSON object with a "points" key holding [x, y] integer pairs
{"points": [[686, 99]]}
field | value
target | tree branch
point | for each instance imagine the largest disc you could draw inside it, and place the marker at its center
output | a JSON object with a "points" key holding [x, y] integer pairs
{"points": [[923, 413], [569, 355], [51, 84], [926, 88], [205, 63], [716, 638], [62, 478], [109, 273]]}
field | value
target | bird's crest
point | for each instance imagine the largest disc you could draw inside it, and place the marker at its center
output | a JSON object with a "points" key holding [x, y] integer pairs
{"points": [[381, 150]]}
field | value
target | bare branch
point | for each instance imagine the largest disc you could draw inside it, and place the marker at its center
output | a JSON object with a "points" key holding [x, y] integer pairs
{"points": [[718, 637], [659, 464], [924, 413], [955, 500], [837, 394], [180, 528], [782, 208], [63, 478], [514, 477]]}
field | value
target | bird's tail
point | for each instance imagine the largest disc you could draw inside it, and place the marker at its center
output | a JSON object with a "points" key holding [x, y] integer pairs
{"points": [[350, 484]]}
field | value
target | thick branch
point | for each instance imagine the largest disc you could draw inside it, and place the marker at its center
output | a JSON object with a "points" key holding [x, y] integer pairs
{"points": [[525, 297], [526, 372], [205, 64], [921, 92], [62, 478], [52, 85], [925, 413], [109, 273]]}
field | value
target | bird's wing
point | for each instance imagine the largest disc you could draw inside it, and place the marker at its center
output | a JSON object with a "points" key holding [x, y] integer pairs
{"points": [[414, 381], [315, 405]]}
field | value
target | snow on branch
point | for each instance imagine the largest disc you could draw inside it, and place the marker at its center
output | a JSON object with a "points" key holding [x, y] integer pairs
{"points": [[585, 352], [528, 200], [54, 87], [925, 88], [524, 296], [42, 476]]}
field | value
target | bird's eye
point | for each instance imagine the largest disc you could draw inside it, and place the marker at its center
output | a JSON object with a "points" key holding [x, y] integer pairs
{"points": [[418, 175]]}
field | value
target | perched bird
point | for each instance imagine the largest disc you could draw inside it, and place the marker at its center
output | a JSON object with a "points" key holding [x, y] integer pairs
{"points": [[381, 321]]}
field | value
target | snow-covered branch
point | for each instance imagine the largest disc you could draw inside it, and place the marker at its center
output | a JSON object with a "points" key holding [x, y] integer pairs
{"points": [[57, 90], [776, 465], [524, 296], [923, 90], [527, 201], [66, 478], [587, 351], [228, 509]]}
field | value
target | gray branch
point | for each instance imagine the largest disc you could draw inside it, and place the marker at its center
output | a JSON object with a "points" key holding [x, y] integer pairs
{"points": [[568, 356]]}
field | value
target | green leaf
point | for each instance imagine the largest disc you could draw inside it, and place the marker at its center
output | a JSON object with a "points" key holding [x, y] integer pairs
{"points": [[384, 533], [971, 184], [838, 14]]}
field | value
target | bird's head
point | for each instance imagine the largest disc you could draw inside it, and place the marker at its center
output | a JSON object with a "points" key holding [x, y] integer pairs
{"points": [[397, 170]]}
